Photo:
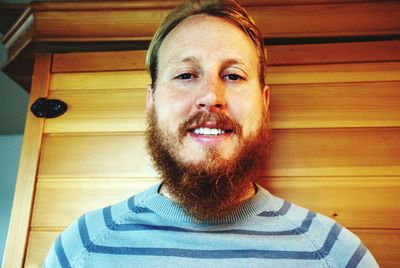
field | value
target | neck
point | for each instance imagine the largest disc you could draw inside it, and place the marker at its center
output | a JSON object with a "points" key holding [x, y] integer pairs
{"points": [[251, 191]]}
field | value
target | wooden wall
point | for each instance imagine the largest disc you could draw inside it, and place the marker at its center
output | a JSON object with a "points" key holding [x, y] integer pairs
{"points": [[336, 148], [335, 107]]}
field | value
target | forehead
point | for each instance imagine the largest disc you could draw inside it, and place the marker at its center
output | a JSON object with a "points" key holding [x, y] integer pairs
{"points": [[203, 36]]}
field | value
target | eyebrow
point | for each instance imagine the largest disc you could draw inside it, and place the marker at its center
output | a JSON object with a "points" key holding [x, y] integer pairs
{"points": [[190, 59], [230, 62], [194, 60]]}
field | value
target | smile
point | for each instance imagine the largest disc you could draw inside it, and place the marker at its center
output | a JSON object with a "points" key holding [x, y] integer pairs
{"points": [[209, 131], [210, 136]]}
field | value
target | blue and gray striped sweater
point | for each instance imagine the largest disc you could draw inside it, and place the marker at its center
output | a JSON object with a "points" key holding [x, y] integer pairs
{"points": [[149, 230]]}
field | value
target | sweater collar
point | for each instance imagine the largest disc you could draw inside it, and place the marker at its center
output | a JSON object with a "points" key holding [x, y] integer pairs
{"points": [[167, 208]]}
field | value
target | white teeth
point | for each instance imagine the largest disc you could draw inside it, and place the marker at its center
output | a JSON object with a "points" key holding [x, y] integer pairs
{"points": [[208, 131]]}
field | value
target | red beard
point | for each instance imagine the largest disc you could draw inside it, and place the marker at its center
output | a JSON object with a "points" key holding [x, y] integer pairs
{"points": [[208, 190]]}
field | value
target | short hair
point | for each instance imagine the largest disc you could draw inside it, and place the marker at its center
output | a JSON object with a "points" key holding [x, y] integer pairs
{"points": [[226, 9]]}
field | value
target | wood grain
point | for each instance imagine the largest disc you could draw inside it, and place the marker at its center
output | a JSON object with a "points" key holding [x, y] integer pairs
{"points": [[351, 52], [81, 195], [100, 111], [84, 25], [334, 19], [334, 152], [304, 74], [294, 54], [99, 61], [339, 198], [89, 155], [39, 245], [372, 104], [295, 152], [107, 5], [100, 80], [384, 245], [354, 202], [334, 73], [26, 179], [81, 23]]}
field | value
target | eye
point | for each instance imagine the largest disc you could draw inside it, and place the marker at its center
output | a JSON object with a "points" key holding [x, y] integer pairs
{"points": [[185, 76], [233, 77]]}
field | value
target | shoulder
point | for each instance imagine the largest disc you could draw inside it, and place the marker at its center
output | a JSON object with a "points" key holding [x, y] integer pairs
{"points": [[73, 244], [67, 248], [333, 243]]}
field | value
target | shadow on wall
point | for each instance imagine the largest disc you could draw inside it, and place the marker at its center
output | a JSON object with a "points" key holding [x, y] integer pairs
{"points": [[10, 147], [13, 105]]}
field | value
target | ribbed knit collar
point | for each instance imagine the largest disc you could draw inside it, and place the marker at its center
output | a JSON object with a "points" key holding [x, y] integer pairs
{"points": [[166, 208]]}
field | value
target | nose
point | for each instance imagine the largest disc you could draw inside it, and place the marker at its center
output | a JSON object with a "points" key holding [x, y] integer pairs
{"points": [[212, 97]]}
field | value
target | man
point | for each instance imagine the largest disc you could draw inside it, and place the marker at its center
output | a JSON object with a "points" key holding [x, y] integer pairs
{"points": [[207, 134]]}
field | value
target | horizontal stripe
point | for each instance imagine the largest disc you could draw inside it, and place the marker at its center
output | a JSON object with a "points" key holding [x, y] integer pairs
{"points": [[112, 225], [357, 256], [59, 249], [209, 254]]}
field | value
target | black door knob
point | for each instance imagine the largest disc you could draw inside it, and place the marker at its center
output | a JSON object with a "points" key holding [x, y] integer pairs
{"points": [[48, 108]]}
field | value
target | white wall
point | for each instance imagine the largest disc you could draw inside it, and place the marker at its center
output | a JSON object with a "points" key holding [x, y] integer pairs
{"points": [[10, 147], [13, 106]]}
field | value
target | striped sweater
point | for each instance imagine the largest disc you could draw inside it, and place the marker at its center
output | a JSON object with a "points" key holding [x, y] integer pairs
{"points": [[149, 230]]}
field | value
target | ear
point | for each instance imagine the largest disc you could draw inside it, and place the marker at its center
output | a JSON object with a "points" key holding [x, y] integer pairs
{"points": [[150, 98], [266, 96]]}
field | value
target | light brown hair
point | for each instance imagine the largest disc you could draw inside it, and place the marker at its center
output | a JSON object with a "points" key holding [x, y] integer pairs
{"points": [[227, 9]]}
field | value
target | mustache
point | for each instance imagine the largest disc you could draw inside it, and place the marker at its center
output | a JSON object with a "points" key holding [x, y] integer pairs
{"points": [[222, 121]]}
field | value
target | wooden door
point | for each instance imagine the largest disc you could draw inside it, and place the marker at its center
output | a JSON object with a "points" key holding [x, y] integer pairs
{"points": [[336, 146]]}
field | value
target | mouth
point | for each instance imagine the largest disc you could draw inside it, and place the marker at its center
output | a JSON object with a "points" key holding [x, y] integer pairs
{"points": [[208, 131], [210, 134]]}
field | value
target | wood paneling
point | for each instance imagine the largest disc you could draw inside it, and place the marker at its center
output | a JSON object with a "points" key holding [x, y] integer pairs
{"points": [[38, 246], [80, 22], [107, 5], [84, 25], [335, 139], [100, 111], [26, 179], [51, 211], [95, 156], [373, 104], [384, 244], [334, 73], [338, 198], [373, 200], [334, 19], [335, 152], [99, 61], [100, 80], [351, 52], [308, 152], [335, 116], [305, 74]]}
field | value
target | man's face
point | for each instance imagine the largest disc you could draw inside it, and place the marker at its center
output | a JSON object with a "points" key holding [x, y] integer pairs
{"points": [[208, 122], [206, 64]]}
